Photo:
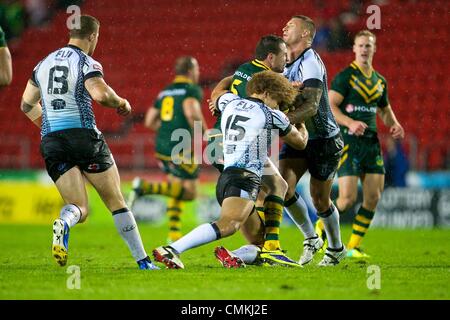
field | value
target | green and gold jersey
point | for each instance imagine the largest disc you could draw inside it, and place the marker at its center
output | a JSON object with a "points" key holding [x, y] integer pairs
{"points": [[363, 94], [241, 77], [170, 104]]}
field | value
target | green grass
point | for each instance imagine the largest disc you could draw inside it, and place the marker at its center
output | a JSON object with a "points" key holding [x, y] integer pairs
{"points": [[414, 265]]}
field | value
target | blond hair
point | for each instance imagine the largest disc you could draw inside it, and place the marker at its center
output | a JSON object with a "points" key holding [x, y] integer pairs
{"points": [[274, 84], [365, 33]]}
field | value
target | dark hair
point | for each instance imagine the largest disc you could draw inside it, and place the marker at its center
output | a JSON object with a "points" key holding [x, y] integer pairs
{"points": [[88, 26], [183, 65], [309, 24], [268, 44]]}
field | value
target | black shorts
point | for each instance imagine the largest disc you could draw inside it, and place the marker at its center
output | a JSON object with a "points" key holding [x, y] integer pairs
{"points": [[236, 182], [322, 156], [86, 148]]}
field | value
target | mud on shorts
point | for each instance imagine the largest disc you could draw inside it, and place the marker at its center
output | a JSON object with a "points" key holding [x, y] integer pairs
{"points": [[86, 148], [322, 156]]}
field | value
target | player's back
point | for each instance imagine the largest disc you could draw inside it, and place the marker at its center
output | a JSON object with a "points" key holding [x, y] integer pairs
{"points": [[246, 125], [65, 101], [309, 67], [170, 104]]}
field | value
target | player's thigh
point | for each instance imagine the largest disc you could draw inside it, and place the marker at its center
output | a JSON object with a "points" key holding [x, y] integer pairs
{"points": [[320, 193], [72, 188], [348, 187], [373, 185], [292, 169], [190, 186], [235, 211], [107, 184]]}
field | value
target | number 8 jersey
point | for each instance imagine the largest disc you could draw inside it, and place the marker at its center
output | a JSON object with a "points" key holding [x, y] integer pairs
{"points": [[65, 101], [247, 131]]}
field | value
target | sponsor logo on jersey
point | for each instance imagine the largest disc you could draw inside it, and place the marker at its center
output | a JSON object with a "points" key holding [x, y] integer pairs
{"points": [[243, 75], [351, 108]]}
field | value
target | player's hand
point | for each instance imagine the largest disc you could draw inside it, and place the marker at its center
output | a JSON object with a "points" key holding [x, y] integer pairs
{"points": [[212, 108], [124, 109], [297, 85], [397, 131], [357, 128]]}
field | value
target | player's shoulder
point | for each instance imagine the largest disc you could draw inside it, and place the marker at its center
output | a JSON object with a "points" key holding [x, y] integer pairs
{"points": [[345, 72], [380, 76]]}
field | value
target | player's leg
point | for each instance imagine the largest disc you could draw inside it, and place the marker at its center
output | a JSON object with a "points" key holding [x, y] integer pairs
{"points": [[107, 184], [234, 212], [373, 185], [71, 186], [348, 191]]}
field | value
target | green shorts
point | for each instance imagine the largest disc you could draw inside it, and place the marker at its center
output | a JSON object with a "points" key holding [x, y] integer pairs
{"points": [[186, 170], [361, 155]]}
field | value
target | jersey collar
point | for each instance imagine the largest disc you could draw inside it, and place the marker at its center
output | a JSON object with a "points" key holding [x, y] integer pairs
{"points": [[260, 64], [301, 55], [355, 66], [182, 79], [74, 47]]}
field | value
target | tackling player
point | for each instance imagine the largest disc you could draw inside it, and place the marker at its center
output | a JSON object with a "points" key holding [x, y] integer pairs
{"points": [[358, 93], [58, 99], [270, 54], [322, 154], [178, 106], [247, 126]]}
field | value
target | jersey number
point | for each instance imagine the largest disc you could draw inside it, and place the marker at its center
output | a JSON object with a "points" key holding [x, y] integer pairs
{"points": [[167, 108], [232, 123], [235, 83], [59, 78]]}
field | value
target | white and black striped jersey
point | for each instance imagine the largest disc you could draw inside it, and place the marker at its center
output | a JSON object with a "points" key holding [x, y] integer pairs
{"points": [[309, 69], [247, 126], [65, 101]]}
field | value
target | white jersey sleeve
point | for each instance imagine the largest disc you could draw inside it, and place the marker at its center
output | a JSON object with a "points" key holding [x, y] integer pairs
{"points": [[92, 69], [281, 122], [224, 100], [312, 68]]}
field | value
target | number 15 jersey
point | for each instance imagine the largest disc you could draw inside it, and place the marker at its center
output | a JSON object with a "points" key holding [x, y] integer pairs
{"points": [[65, 101], [247, 131]]}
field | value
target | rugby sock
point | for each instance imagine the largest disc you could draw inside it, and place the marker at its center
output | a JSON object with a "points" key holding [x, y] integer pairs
{"points": [[260, 211], [71, 214], [330, 219], [169, 189], [247, 253], [298, 212], [360, 226], [204, 233], [174, 210], [128, 229], [273, 214]]}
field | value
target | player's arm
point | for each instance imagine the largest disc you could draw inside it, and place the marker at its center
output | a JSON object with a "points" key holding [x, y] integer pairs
{"points": [[152, 119], [193, 112], [307, 103], [5, 61], [221, 88], [354, 126], [296, 138], [30, 103], [106, 96], [390, 120]]}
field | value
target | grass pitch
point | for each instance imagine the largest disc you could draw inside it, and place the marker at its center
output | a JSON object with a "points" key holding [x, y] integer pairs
{"points": [[414, 264]]}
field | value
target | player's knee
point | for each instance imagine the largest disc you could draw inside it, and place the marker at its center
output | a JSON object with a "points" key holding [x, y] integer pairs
{"points": [[371, 200], [321, 203], [290, 192], [189, 194], [280, 186], [346, 202]]}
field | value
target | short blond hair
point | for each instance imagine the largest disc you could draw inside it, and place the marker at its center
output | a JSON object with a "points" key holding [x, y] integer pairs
{"points": [[275, 85], [365, 33]]}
